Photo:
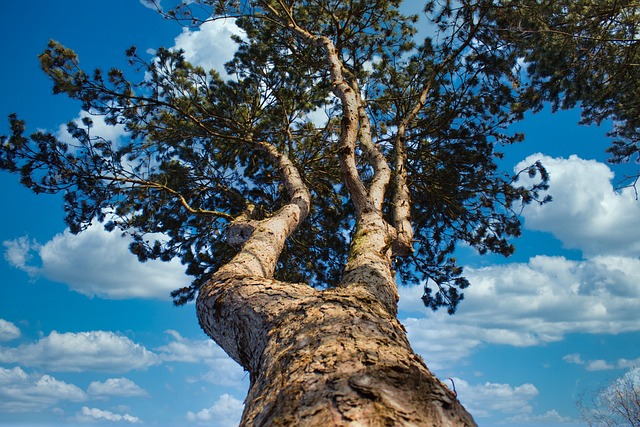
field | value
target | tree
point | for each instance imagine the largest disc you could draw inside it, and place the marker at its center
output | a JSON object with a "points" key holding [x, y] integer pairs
{"points": [[617, 404], [296, 227]]}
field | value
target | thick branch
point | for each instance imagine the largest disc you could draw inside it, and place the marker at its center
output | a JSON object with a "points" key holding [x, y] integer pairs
{"points": [[259, 255], [381, 169], [403, 246], [350, 118]]}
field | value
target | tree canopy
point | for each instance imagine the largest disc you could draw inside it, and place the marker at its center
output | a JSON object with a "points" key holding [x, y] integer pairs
{"points": [[205, 154], [580, 53]]}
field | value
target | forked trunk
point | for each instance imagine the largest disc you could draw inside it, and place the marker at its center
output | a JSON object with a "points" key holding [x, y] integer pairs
{"points": [[323, 358], [337, 357], [326, 358]]}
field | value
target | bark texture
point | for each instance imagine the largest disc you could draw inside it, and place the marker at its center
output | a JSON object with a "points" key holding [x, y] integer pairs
{"points": [[337, 357], [323, 358]]}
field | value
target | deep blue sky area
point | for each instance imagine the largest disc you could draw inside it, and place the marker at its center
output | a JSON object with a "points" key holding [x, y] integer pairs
{"points": [[89, 335]]}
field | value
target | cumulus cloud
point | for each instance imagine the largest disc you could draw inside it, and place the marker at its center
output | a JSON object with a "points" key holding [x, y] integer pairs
{"points": [[90, 415], [483, 400], [226, 412], [551, 417], [120, 387], [587, 213], [222, 370], [22, 392], [525, 304], [601, 364], [542, 300], [96, 263], [8, 331], [77, 352], [210, 46]]}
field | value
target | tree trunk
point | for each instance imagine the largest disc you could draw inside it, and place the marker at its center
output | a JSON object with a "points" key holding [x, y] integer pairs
{"points": [[337, 357], [323, 358]]}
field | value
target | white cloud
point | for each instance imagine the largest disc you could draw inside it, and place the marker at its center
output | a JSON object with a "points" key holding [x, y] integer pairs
{"points": [[89, 415], [99, 128], [601, 364], [525, 304], [222, 370], [542, 300], [210, 46], [185, 350], [77, 352], [121, 387], [486, 399], [8, 331], [22, 392], [226, 412], [97, 263], [574, 358], [149, 4], [586, 212], [19, 253], [551, 417]]}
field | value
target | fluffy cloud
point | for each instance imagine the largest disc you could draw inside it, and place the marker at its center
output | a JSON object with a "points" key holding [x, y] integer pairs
{"points": [[90, 415], [96, 263], [549, 418], [226, 412], [601, 364], [222, 370], [8, 331], [21, 392], [485, 399], [524, 304], [587, 213], [77, 352], [542, 300], [120, 387], [210, 46]]}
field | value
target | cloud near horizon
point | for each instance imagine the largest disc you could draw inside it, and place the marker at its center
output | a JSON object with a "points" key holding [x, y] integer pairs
{"points": [[221, 369], [101, 351], [226, 412], [22, 392], [544, 299], [91, 415], [120, 387]]}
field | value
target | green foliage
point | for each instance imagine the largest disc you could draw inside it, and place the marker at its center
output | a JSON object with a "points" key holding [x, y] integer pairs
{"points": [[579, 53], [193, 157]]}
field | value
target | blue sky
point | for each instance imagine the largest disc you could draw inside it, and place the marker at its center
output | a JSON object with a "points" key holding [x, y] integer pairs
{"points": [[89, 336]]}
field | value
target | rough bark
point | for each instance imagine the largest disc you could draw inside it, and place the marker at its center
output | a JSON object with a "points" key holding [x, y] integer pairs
{"points": [[316, 358], [328, 358], [337, 357]]}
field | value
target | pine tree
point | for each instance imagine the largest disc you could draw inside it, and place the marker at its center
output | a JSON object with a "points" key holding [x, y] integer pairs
{"points": [[340, 158]]}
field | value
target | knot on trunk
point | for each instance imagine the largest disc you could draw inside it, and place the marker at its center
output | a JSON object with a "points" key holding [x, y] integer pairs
{"points": [[241, 228]]}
